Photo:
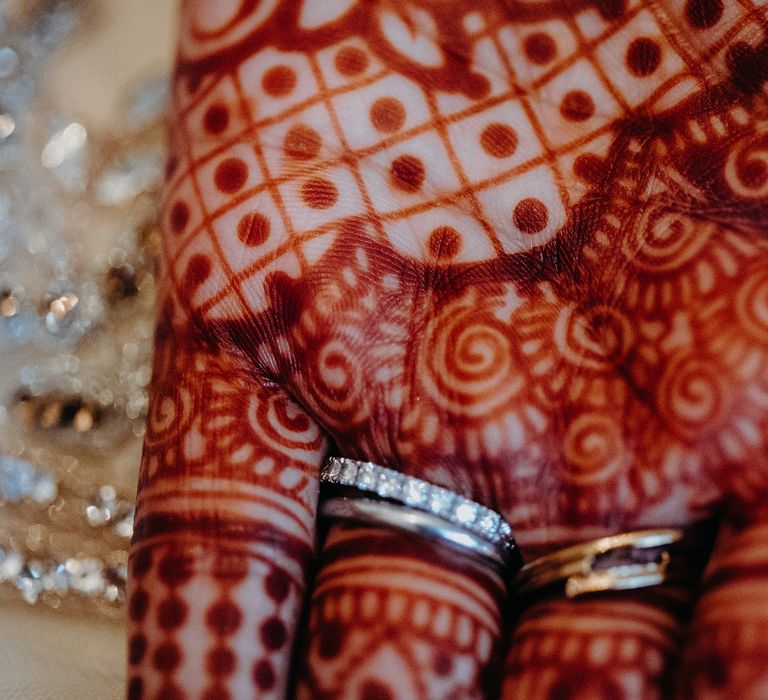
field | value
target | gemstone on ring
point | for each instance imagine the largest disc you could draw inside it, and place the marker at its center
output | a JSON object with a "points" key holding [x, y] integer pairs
{"points": [[417, 493]]}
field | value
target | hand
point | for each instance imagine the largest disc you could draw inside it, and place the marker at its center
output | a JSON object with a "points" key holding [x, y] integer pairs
{"points": [[515, 249]]}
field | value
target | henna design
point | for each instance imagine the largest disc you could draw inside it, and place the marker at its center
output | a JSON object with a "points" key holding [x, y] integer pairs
{"points": [[223, 535], [620, 648], [725, 651], [380, 604], [515, 248]]}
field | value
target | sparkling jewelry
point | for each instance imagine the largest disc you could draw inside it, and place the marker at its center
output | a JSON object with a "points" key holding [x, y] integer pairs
{"points": [[415, 505], [625, 561], [76, 320], [400, 517]]}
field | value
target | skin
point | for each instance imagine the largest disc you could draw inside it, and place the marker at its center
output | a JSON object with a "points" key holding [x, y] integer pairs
{"points": [[517, 249]]}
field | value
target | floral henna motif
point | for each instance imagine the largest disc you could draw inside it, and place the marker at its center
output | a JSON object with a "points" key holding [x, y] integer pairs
{"points": [[224, 531], [211, 418], [517, 248]]}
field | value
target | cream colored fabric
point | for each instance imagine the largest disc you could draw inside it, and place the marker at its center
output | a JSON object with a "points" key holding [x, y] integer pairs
{"points": [[46, 654]]}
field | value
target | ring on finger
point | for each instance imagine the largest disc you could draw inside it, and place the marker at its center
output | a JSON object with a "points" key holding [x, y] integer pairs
{"points": [[369, 493]]}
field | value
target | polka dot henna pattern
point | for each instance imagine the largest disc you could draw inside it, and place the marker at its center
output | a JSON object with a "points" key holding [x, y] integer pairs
{"points": [[224, 535], [515, 248]]}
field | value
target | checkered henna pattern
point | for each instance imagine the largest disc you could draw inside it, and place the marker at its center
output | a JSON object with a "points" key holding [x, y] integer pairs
{"points": [[516, 248]]}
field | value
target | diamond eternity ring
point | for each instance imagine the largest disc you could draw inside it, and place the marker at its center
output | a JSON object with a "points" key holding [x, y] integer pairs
{"points": [[423, 508]]}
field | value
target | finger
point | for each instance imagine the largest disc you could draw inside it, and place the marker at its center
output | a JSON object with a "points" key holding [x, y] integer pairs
{"points": [[608, 644], [726, 656], [224, 529], [393, 616], [627, 647]]}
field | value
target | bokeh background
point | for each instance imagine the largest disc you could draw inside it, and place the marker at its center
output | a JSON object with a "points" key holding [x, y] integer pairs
{"points": [[83, 93]]}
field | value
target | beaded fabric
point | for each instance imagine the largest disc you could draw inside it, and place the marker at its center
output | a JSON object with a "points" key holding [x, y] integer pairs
{"points": [[77, 275]]}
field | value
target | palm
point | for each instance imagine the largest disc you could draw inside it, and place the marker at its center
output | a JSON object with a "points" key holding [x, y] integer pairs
{"points": [[605, 388], [515, 290], [531, 276]]}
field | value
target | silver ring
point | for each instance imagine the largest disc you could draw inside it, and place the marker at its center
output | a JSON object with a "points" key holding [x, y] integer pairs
{"points": [[394, 515], [449, 509]]}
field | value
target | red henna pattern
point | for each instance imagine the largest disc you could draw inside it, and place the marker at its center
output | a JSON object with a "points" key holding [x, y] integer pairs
{"points": [[566, 650], [524, 245], [725, 652], [368, 618], [223, 537], [207, 617]]}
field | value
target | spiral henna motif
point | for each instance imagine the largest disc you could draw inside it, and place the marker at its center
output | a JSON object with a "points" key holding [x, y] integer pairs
{"points": [[594, 449], [469, 364], [335, 384], [752, 305], [693, 396], [595, 337], [665, 240], [746, 170], [169, 417], [515, 248], [211, 29], [282, 425]]}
